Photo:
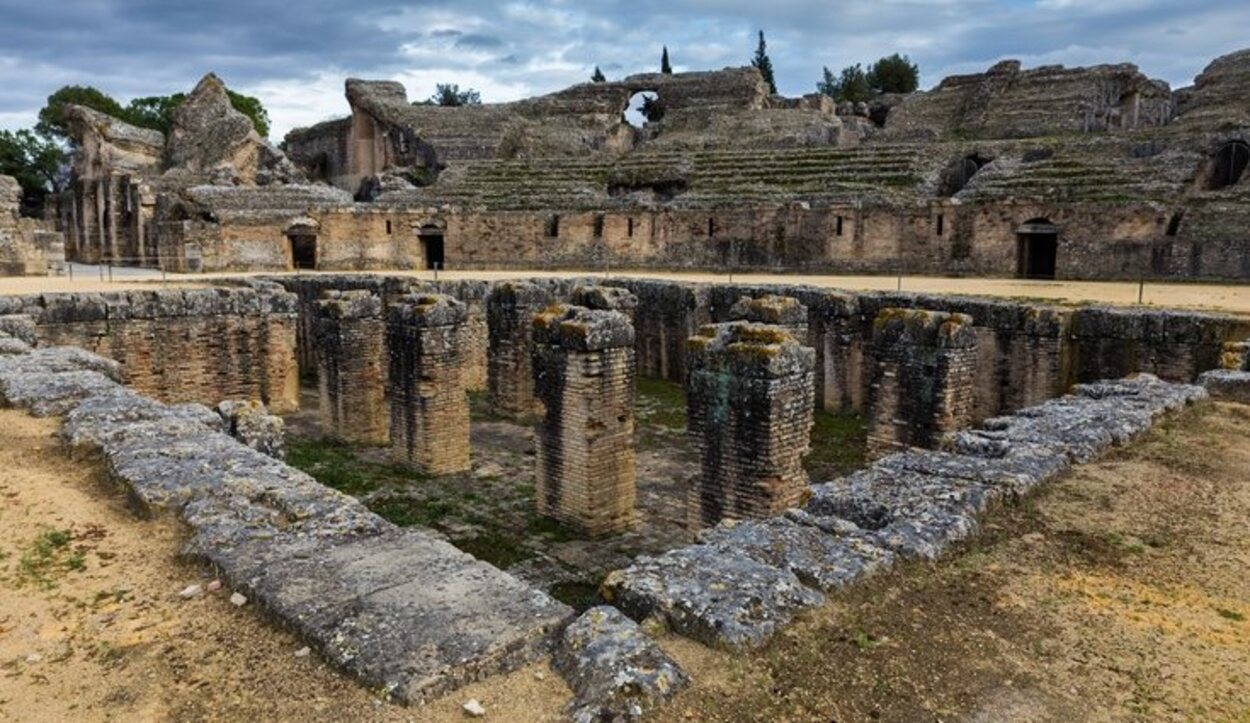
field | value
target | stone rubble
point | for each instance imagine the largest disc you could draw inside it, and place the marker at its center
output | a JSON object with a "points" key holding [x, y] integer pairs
{"points": [[616, 671], [250, 423], [1227, 385]]}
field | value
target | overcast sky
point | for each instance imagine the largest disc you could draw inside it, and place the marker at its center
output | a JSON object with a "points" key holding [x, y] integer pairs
{"points": [[295, 54]]}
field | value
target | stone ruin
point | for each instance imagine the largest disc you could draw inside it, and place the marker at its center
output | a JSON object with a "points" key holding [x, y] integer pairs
{"points": [[413, 616], [510, 311], [28, 246]]}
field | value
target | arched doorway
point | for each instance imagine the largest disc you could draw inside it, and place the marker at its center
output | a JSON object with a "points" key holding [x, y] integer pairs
{"points": [[1037, 249], [431, 238], [1230, 164], [644, 107], [959, 173]]}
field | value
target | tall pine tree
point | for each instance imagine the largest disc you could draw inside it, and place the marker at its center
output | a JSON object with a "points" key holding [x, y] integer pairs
{"points": [[764, 64], [598, 77], [665, 67]]}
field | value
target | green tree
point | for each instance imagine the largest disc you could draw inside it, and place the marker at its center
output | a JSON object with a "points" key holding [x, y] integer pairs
{"points": [[598, 77], [828, 83], [449, 95], [35, 161], [665, 67], [894, 74], [764, 64], [252, 108], [52, 116], [853, 85], [154, 111]]}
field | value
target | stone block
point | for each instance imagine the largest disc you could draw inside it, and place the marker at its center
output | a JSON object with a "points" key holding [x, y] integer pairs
{"points": [[1227, 386]]}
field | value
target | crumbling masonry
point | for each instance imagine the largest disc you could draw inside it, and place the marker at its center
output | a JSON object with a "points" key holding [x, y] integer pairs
{"points": [[429, 419], [584, 373], [351, 377], [750, 397], [924, 372], [510, 311]]}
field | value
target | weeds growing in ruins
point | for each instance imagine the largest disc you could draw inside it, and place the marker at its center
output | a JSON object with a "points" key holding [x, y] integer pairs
{"points": [[46, 556]]}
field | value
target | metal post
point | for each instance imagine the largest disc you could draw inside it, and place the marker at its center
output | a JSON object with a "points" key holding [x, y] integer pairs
{"points": [[71, 271], [436, 265], [110, 272], [1141, 289], [101, 271]]}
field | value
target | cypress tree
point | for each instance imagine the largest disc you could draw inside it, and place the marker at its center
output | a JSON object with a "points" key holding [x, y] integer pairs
{"points": [[598, 77], [764, 64], [665, 67]]}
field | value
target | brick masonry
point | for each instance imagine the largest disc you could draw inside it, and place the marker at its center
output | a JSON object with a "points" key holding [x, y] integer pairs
{"points": [[429, 407], [923, 378], [584, 374], [750, 400], [351, 368], [510, 311]]}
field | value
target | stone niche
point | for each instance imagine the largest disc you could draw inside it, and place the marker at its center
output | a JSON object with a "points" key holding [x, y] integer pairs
{"points": [[584, 374], [750, 395], [351, 372], [924, 367], [429, 407]]}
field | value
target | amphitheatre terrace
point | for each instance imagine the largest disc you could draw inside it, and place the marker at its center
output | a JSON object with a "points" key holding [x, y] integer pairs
{"points": [[521, 404]]}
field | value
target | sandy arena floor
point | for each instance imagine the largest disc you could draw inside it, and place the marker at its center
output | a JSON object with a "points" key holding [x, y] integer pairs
{"points": [[1231, 298], [1118, 593]]}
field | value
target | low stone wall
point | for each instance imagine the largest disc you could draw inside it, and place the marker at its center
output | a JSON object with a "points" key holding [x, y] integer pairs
{"points": [[180, 345], [401, 609], [351, 367]]}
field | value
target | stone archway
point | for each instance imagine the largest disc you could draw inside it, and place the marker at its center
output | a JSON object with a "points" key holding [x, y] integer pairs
{"points": [[1037, 249], [1231, 160]]}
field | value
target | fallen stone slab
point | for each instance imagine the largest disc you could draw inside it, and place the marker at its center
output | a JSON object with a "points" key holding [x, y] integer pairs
{"points": [[50, 394], [59, 359], [12, 346], [819, 559], [616, 671], [716, 596], [20, 326], [111, 418], [1227, 385]]}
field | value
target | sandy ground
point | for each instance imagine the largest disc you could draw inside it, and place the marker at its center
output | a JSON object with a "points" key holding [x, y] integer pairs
{"points": [[1230, 298], [92, 627], [1118, 593]]}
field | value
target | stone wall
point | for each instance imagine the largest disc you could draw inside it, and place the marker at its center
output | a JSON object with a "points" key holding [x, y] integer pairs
{"points": [[750, 397], [351, 367], [429, 409], [924, 367], [510, 311], [192, 345], [584, 375], [28, 246]]}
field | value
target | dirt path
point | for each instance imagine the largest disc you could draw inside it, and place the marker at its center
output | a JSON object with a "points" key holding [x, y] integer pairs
{"points": [[1231, 298], [1119, 593], [92, 627]]}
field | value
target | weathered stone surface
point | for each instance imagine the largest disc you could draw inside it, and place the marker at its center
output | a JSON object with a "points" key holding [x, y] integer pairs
{"points": [[510, 311], [584, 375], [351, 367], [750, 393], [19, 326], [250, 423], [616, 672], [604, 298], [718, 597], [429, 407], [820, 560], [783, 311], [1226, 385]]}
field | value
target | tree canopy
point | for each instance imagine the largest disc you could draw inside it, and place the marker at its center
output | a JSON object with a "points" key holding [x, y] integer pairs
{"points": [[449, 95], [154, 111], [764, 64], [35, 161], [892, 74]]}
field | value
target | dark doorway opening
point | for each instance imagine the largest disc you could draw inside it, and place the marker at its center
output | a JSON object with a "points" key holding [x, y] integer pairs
{"points": [[1230, 163], [431, 238], [303, 250], [1037, 249]]}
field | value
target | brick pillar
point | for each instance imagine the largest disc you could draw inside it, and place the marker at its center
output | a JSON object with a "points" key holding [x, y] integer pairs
{"points": [[429, 408], [584, 374], [783, 311], [510, 311], [750, 393], [605, 298], [924, 366], [351, 371]]}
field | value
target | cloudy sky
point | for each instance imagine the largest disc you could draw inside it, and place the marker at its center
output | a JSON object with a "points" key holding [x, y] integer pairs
{"points": [[294, 54]]}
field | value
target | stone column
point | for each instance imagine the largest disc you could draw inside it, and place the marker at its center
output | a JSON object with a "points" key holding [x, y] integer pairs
{"points": [[783, 311], [584, 374], [750, 395], [351, 372], [510, 311], [429, 420], [923, 378]]}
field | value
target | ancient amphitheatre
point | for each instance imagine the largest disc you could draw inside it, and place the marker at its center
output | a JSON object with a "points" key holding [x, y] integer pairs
{"points": [[768, 408]]}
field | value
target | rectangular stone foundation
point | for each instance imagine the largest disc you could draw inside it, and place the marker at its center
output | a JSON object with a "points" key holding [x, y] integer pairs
{"points": [[924, 376], [750, 396], [584, 374], [429, 408], [510, 311], [351, 372]]}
